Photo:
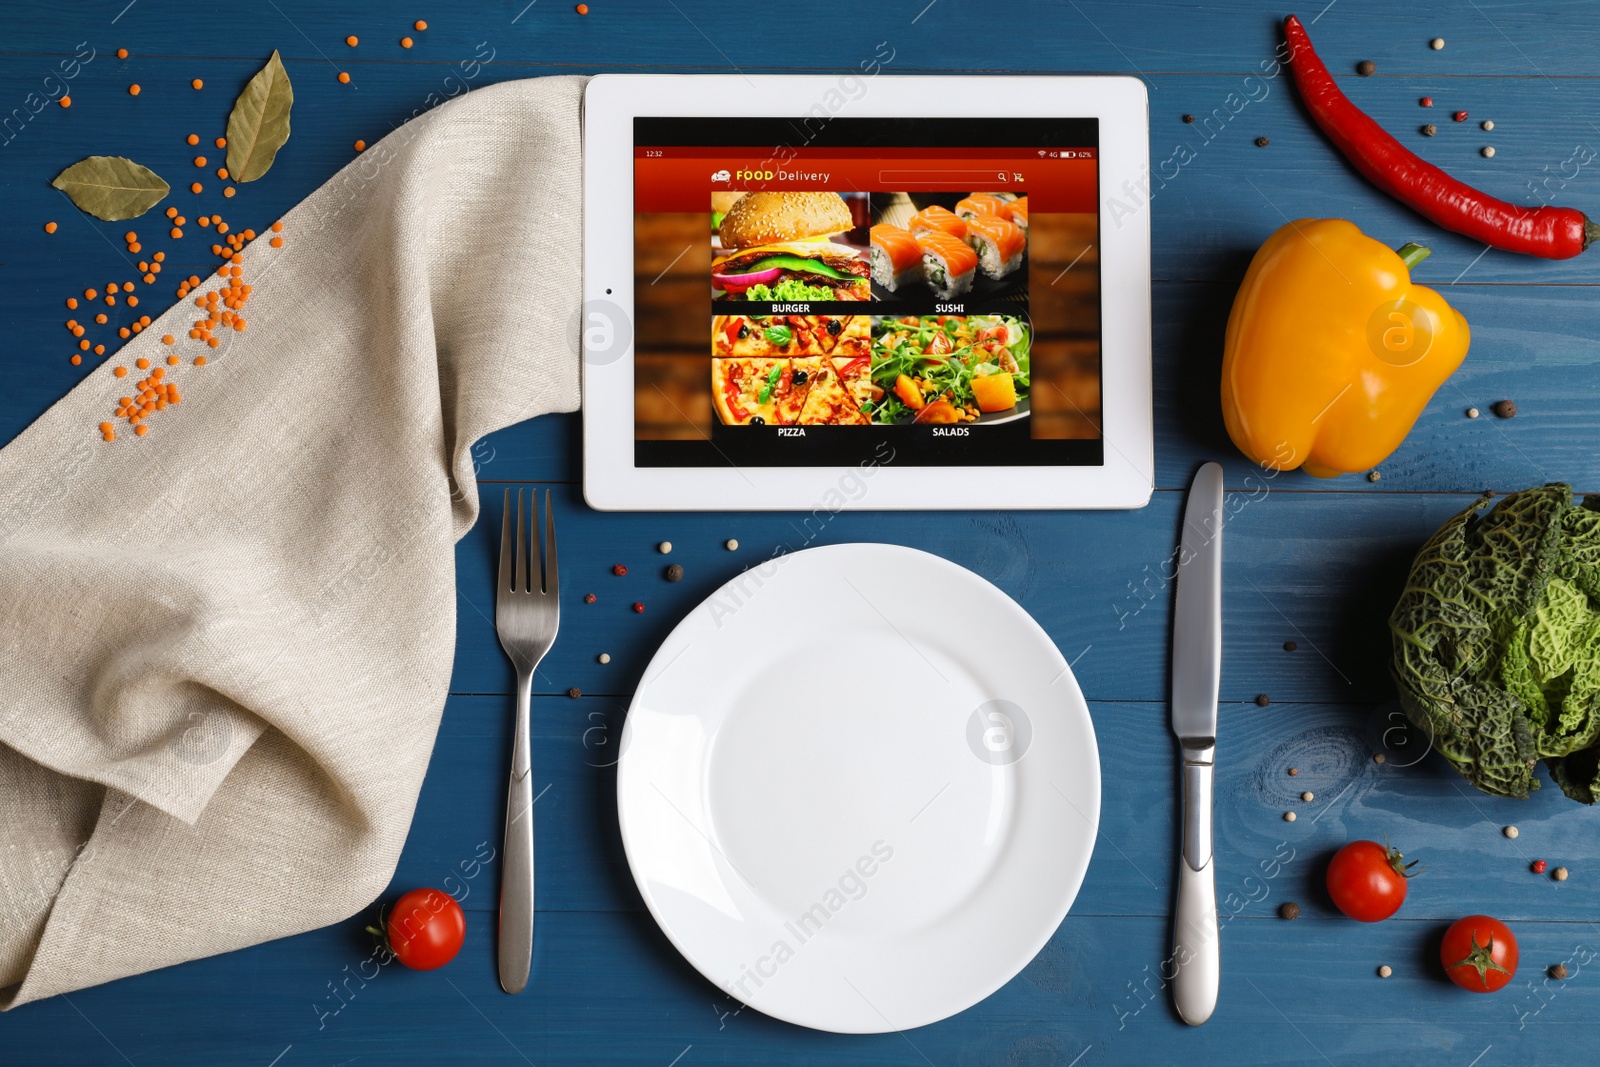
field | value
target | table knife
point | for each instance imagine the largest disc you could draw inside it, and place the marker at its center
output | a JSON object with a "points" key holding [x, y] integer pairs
{"points": [[1196, 676]]}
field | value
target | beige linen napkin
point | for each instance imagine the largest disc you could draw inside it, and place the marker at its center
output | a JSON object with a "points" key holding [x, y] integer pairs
{"points": [[225, 647]]}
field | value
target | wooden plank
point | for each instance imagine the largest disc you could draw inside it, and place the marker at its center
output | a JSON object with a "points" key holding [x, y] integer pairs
{"points": [[1414, 799]]}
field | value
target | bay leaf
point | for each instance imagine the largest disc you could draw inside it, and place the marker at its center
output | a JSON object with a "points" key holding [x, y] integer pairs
{"points": [[259, 124], [111, 187]]}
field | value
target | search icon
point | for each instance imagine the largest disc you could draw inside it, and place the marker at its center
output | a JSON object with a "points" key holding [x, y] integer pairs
{"points": [[1001, 175]]}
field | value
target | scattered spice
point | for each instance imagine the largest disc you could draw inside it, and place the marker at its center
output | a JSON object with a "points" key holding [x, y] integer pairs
{"points": [[664, 547], [1559, 874], [1262, 142], [1294, 772], [604, 657], [228, 192], [196, 187], [1429, 129], [674, 573], [1385, 971], [1289, 646], [1473, 413], [1188, 118], [1436, 44], [582, 9], [352, 41], [1289, 816], [574, 692], [589, 598], [1374, 476], [199, 161], [1308, 797], [344, 78], [1505, 409], [198, 84], [50, 227], [405, 42], [619, 569], [1288, 910], [1377, 757], [638, 608], [361, 146], [193, 138], [66, 101], [419, 25], [1426, 101], [1559, 971], [122, 53], [1487, 124], [221, 142], [133, 90], [1366, 68], [731, 545], [1460, 116], [1487, 151], [1510, 831], [1262, 700], [1538, 866]]}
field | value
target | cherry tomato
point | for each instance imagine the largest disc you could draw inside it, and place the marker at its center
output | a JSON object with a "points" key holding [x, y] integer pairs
{"points": [[1479, 954], [1367, 881], [426, 929]]}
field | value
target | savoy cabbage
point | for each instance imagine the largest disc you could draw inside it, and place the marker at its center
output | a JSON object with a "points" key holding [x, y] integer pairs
{"points": [[1497, 642]]}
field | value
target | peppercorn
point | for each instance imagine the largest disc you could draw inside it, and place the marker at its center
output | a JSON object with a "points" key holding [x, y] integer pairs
{"points": [[1559, 971], [664, 547], [604, 657], [1385, 971], [574, 692], [1539, 866], [1308, 796], [589, 598], [1510, 831], [1289, 910], [1262, 700], [1262, 142], [1559, 874], [638, 608], [619, 569], [1436, 44], [1294, 772], [1377, 757], [1374, 476], [1366, 68], [1487, 151], [1460, 116], [1188, 118], [674, 573], [1505, 409], [1426, 101], [1289, 816], [1487, 124], [731, 545], [1429, 130], [1472, 413], [1289, 646]]}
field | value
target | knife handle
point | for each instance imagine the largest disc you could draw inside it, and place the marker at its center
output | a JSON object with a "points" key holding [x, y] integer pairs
{"points": [[1196, 955]]}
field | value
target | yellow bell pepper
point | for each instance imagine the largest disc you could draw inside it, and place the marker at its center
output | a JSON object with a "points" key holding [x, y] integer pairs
{"points": [[1331, 352]]}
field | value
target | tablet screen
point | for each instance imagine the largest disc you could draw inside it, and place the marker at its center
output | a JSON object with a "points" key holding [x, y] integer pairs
{"points": [[830, 291]]}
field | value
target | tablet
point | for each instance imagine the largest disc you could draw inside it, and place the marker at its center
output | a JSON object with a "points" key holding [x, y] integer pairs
{"points": [[866, 291]]}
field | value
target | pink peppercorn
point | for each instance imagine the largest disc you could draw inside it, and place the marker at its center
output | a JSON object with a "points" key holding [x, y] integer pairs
{"points": [[638, 607], [1426, 101], [1539, 866], [1460, 116], [619, 570], [589, 598]]}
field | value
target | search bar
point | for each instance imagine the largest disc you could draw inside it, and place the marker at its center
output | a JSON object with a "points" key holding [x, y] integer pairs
{"points": [[957, 178]]}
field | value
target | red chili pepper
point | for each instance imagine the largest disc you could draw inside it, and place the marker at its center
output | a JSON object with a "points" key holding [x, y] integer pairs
{"points": [[1550, 232]]}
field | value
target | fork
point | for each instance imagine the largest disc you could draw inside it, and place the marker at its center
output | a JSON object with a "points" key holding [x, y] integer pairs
{"points": [[527, 612]]}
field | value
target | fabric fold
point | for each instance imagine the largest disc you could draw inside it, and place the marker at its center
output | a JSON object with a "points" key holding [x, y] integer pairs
{"points": [[207, 632]]}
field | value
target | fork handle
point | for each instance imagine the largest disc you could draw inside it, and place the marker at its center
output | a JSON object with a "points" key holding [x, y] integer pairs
{"points": [[516, 869]]}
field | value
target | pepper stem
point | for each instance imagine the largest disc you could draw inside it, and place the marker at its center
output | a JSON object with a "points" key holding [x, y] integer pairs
{"points": [[1411, 254]]}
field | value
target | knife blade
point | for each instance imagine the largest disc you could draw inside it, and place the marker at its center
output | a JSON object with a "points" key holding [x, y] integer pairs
{"points": [[1196, 677]]}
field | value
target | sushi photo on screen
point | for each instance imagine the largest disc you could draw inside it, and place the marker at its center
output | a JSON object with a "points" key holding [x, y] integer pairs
{"points": [[790, 247], [949, 246]]}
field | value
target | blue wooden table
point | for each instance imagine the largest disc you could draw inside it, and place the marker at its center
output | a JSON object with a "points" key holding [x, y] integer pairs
{"points": [[1315, 563]]}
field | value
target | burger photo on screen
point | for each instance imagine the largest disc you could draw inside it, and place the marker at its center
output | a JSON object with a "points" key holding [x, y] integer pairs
{"points": [[782, 246]]}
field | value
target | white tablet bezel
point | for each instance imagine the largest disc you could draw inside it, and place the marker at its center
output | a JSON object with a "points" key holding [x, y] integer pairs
{"points": [[611, 482]]}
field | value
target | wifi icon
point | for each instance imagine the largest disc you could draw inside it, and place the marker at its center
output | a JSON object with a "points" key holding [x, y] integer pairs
{"points": [[1041, 153]]}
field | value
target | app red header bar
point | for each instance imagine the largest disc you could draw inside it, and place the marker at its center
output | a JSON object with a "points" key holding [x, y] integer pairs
{"points": [[795, 155], [686, 183]]}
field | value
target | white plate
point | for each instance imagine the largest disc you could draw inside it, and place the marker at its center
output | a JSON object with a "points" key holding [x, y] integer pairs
{"points": [[859, 788]]}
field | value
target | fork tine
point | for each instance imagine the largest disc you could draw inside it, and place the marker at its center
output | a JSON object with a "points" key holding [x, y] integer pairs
{"points": [[552, 574], [505, 545], [520, 583]]}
